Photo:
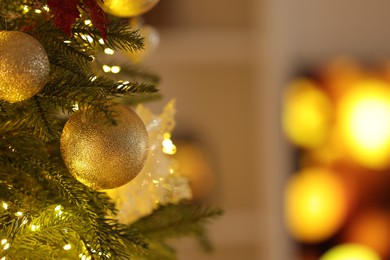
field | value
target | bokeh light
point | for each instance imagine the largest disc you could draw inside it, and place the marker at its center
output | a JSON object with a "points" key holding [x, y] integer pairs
{"points": [[364, 121], [307, 113], [350, 252], [370, 228], [315, 204]]}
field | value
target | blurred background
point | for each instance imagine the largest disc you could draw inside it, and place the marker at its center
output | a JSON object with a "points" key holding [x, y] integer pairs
{"points": [[284, 112]]}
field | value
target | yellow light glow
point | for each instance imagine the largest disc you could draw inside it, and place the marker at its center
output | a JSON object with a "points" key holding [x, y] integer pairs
{"points": [[26, 9], [109, 51], [106, 68], [315, 205], [350, 252], [307, 113], [101, 41], [87, 22], [58, 208], [34, 227], [364, 121], [115, 69], [67, 247], [168, 147], [5, 205], [38, 11], [19, 214], [6, 246], [3, 241], [47, 9]]}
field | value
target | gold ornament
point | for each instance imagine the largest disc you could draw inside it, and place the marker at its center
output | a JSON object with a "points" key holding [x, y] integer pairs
{"points": [[101, 155], [128, 8], [160, 181], [24, 66]]}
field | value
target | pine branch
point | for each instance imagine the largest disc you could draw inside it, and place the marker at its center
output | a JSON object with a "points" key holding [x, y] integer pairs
{"points": [[175, 221], [120, 36]]}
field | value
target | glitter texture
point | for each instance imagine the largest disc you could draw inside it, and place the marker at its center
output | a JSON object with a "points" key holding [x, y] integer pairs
{"points": [[160, 181], [101, 155], [24, 66], [128, 8]]}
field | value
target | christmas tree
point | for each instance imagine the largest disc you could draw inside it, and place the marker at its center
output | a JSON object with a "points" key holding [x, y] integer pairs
{"points": [[83, 175]]}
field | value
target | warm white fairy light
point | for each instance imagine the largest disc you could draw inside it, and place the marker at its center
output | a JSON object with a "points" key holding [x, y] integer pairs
{"points": [[167, 145], [3, 258], [3, 241], [46, 8], [19, 214], [106, 68], [89, 39], [6, 246], [93, 78], [101, 41], [67, 247], [87, 22], [38, 11], [75, 107], [109, 51], [5, 205], [58, 210], [67, 41], [26, 9], [34, 227], [115, 69]]}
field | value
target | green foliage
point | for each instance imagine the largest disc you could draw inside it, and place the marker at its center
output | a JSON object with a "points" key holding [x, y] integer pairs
{"points": [[42, 207]]}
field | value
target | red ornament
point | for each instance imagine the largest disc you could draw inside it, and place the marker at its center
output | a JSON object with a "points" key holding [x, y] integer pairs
{"points": [[66, 12]]}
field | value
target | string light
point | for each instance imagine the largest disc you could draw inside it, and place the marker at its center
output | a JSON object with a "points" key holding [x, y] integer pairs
{"points": [[5, 205], [101, 41], [34, 227], [25, 9], [59, 211], [87, 22], [6, 246], [115, 69], [108, 51], [38, 11], [106, 68], [3, 241], [19, 214], [168, 146], [67, 247]]}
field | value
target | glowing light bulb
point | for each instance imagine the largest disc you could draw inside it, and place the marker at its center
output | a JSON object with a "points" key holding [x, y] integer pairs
{"points": [[87, 22], [106, 68], [6, 246], [115, 69], [67, 247], [315, 204], [34, 227], [364, 122], [109, 51], [3, 241], [5, 205], [307, 114], [350, 252], [19, 214]]}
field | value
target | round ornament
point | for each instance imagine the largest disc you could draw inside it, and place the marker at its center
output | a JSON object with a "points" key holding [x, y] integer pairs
{"points": [[101, 155], [128, 8], [24, 66]]}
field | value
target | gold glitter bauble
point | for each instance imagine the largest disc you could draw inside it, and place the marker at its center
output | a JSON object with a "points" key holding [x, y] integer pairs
{"points": [[24, 66], [101, 155], [128, 8]]}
